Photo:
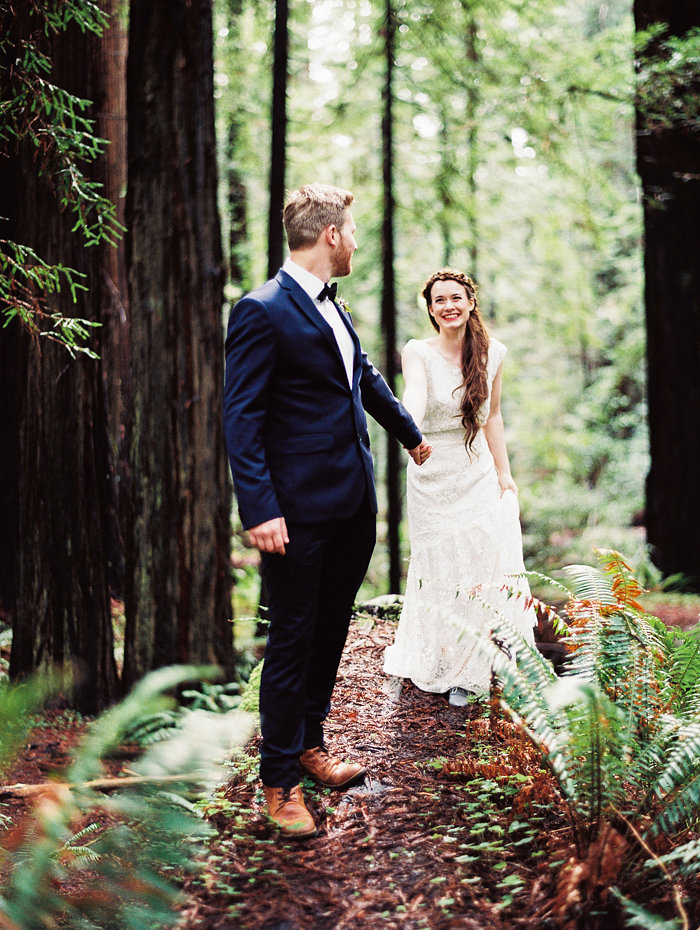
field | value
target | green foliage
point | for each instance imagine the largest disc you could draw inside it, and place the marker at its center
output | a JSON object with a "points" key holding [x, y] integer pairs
{"points": [[18, 706], [515, 161], [152, 727], [620, 732], [250, 700], [24, 277], [53, 122], [668, 77], [638, 916], [138, 839]]}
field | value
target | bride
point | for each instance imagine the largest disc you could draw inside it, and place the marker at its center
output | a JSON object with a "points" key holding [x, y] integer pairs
{"points": [[463, 517]]}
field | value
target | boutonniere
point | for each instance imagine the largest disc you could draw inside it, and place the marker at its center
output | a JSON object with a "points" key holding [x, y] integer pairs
{"points": [[343, 305]]}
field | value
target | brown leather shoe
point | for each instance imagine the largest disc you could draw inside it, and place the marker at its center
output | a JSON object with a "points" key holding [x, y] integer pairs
{"points": [[286, 809], [329, 771]]}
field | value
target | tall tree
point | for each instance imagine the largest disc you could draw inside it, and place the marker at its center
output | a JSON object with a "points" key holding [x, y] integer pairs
{"points": [[178, 556], [278, 152], [393, 477], [64, 495], [112, 289], [668, 156], [9, 416]]}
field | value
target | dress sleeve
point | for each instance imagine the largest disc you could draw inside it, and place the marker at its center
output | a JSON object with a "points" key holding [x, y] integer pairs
{"points": [[497, 352]]}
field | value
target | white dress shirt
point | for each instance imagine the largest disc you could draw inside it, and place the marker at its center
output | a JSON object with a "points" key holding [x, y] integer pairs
{"points": [[328, 310]]}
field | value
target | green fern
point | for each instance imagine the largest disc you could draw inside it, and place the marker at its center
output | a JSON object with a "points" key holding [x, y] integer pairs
{"points": [[638, 916], [620, 731], [81, 850], [685, 858], [154, 832]]}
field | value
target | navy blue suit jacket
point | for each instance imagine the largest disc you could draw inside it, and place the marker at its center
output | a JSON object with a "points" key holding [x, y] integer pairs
{"points": [[296, 432]]}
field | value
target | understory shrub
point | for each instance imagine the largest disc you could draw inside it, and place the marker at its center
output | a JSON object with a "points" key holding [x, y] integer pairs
{"points": [[619, 733]]}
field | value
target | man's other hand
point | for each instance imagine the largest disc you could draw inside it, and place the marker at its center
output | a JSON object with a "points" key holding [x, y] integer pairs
{"points": [[270, 536]]}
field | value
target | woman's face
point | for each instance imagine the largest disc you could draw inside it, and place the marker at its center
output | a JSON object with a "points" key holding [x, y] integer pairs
{"points": [[450, 305]]}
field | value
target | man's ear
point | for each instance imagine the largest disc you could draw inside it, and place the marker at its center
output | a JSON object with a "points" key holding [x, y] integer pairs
{"points": [[331, 234]]}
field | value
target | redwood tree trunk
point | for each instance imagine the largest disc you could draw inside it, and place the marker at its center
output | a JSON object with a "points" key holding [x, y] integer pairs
{"points": [[178, 530], [114, 310], [66, 509], [278, 153], [393, 476], [9, 417], [668, 160]]}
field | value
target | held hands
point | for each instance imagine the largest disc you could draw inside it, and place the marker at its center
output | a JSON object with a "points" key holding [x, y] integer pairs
{"points": [[270, 536], [420, 453]]}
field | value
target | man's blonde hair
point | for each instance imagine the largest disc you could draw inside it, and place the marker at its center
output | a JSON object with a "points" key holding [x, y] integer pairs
{"points": [[310, 209]]}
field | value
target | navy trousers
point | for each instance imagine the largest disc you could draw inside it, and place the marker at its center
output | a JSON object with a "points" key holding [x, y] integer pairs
{"points": [[311, 593]]}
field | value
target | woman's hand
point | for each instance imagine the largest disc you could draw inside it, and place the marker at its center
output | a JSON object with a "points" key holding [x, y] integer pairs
{"points": [[420, 453], [507, 484]]}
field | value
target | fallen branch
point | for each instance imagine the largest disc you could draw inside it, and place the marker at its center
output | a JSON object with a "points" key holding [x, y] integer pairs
{"points": [[97, 784]]}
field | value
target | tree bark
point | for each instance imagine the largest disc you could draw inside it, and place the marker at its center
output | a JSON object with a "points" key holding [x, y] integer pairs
{"points": [[668, 160], [238, 270], [9, 416], [278, 153], [114, 310], [472, 55], [63, 616], [178, 528], [388, 312]]}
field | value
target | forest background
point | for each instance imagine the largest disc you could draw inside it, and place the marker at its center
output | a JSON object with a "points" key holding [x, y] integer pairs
{"points": [[549, 149]]}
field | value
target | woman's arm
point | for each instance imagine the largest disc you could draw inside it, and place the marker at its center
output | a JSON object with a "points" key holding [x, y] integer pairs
{"points": [[496, 438], [415, 395]]}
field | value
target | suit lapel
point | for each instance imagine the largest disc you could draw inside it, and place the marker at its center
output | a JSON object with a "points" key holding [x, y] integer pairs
{"points": [[345, 317], [305, 304]]}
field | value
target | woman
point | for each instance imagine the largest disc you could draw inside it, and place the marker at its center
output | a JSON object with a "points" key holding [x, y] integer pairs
{"points": [[462, 503]]}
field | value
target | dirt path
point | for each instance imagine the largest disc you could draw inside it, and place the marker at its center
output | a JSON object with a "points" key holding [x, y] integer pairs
{"points": [[393, 852]]}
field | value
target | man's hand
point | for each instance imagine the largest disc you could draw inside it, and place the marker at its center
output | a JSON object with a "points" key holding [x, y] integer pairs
{"points": [[270, 536], [420, 453]]}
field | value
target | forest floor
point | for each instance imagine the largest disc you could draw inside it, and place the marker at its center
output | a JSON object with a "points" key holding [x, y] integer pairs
{"points": [[414, 846]]}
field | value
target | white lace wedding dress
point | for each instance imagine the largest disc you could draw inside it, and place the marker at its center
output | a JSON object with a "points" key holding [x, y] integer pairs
{"points": [[462, 534]]}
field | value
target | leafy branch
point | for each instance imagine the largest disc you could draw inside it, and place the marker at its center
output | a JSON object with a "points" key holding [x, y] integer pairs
{"points": [[25, 281], [53, 122]]}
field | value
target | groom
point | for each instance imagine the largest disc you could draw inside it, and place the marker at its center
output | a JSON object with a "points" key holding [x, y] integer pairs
{"points": [[297, 387]]}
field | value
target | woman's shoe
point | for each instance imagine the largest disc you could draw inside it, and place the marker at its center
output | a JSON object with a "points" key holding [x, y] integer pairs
{"points": [[458, 697]]}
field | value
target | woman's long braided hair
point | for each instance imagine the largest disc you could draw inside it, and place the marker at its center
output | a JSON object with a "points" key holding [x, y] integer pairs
{"points": [[475, 350]]}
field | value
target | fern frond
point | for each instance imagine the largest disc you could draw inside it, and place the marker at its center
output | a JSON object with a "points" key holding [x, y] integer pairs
{"points": [[685, 858], [546, 580], [81, 834], [152, 728], [597, 744], [525, 677], [530, 602], [683, 655], [678, 785], [178, 801], [590, 584], [625, 586], [74, 846], [638, 916], [150, 696]]}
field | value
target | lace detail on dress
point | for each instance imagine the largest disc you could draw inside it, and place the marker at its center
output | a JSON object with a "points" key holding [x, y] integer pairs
{"points": [[463, 534]]}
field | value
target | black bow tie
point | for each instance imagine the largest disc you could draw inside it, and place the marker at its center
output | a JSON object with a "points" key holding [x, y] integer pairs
{"points": [[329, 291]]}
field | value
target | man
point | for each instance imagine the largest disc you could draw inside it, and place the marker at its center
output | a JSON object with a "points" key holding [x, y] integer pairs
{"points": [[296, 385]]}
